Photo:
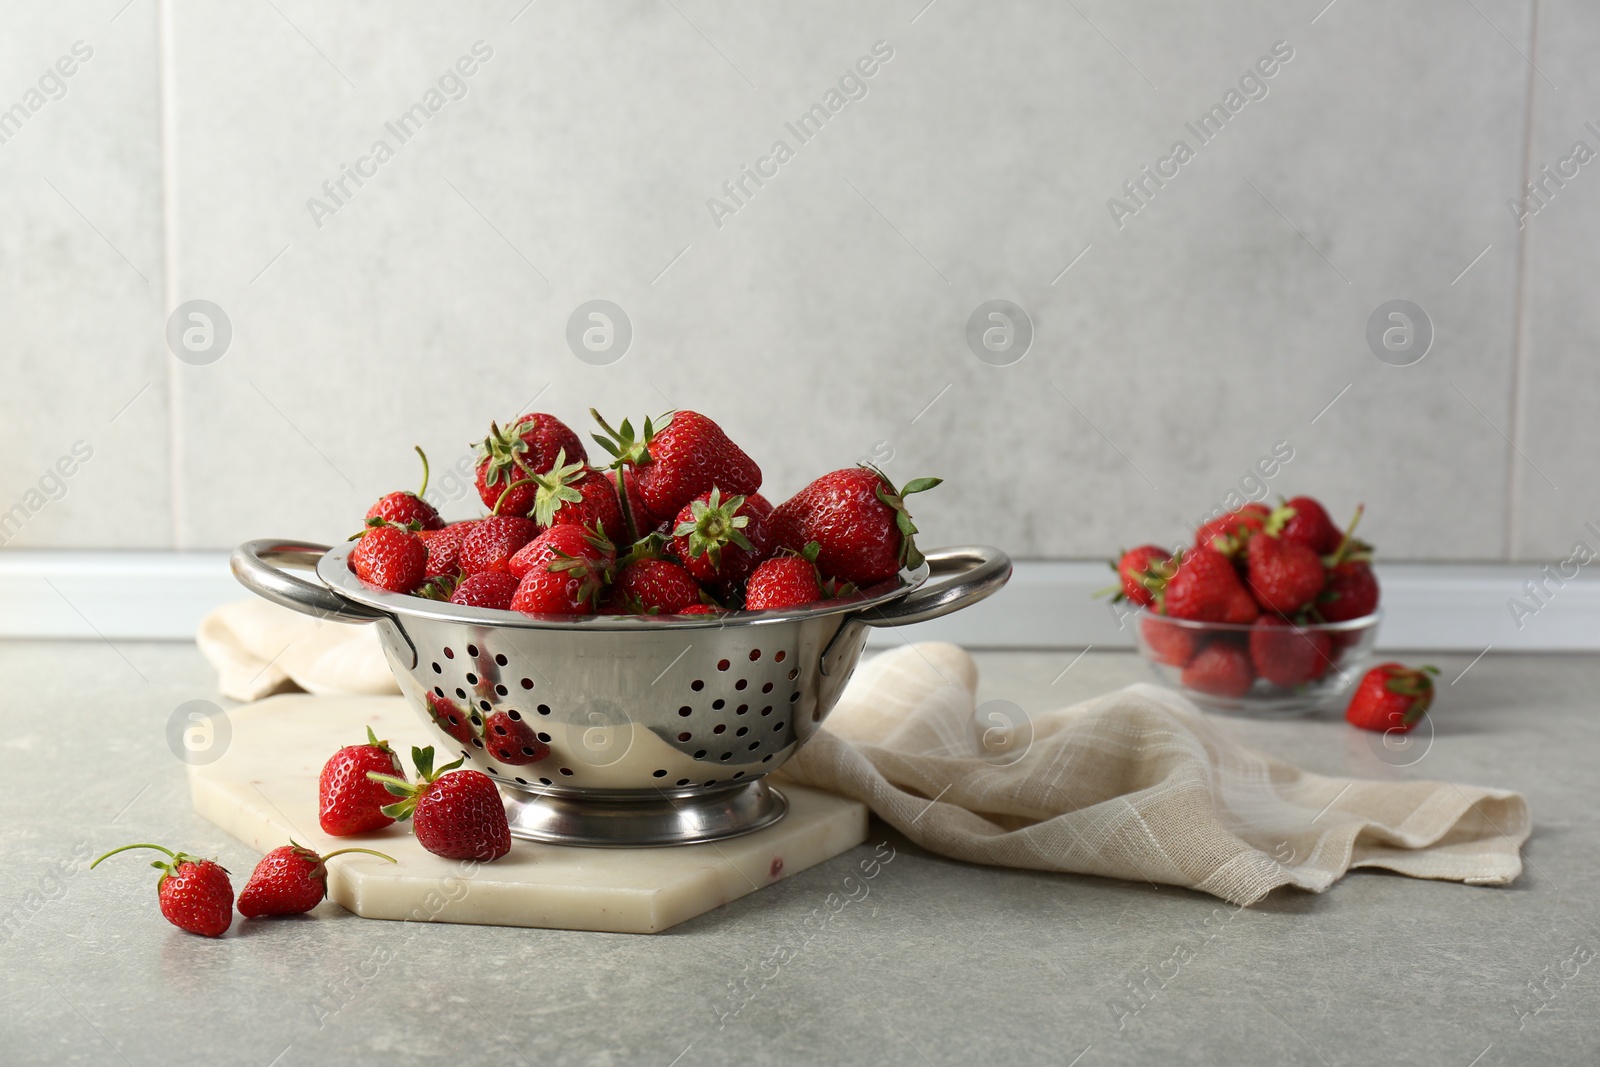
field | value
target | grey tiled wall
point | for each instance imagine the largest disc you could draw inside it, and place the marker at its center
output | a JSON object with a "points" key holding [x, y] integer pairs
{"points": [[821, 316]]}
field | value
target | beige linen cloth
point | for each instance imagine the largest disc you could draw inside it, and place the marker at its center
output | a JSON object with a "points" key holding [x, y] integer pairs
{"points": [[1137, 784]]}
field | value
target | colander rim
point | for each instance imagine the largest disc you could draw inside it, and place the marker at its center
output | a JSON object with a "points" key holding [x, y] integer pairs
{"points": [[335, 573]]}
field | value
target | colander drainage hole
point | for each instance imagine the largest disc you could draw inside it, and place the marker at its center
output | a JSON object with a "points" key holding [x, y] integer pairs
{"points": [[779, 725], [767, 758], [779, 658], [522, 781], [697, 685], [738, 774], [725, 757], [659, 774], [541, 735], [472, 650], [740, 684], [438, 692], [527, 683], [767, 710], [513, 713], [794, 696], [500, 658], [567, 771], [544, 709], [545, 781], [494, 772], [754, 745], [718, 704], [711, 781], [476, 721], [741, 731], [472, 679], [465, 754], [449, 653], [501, 690], [686, 711], [721, 727], [794, 672], [683, 781], [461, 694], [741, 709], [485, 705], [701, 754], [476, 743], [755, 654], [437, 669], [723, 664], [686, 735]]}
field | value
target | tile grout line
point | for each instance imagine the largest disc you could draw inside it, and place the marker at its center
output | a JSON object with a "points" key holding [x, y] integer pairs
{"points": [[167, 121], [1519, 301]]}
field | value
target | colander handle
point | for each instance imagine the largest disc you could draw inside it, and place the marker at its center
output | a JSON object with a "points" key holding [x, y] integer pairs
{"points": [[959, 576], [254, 564]]}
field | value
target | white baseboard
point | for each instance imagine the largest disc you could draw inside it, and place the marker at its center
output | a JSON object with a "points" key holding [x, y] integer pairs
{"points": [[1427, 607]]}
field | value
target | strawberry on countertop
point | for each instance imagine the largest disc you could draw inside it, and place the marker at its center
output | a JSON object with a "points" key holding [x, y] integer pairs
{"points": [[347, 802], [1391, 697], [289, 880], [195, 895], [456, 814]]}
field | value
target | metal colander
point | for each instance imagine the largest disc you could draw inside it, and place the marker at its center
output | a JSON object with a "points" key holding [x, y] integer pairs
{"points": [[621, 730]]}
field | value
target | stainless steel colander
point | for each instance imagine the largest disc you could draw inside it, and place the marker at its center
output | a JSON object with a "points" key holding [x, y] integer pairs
{"points": [[621, 730]]}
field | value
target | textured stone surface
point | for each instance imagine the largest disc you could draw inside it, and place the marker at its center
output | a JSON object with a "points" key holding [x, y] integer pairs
{"points": [[938, 963]]}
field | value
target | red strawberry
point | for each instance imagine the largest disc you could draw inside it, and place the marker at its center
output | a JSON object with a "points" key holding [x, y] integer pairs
{"points": [[719, 539], [1169, 642], [405, 507], [651, 586], [527, 447], [1285, 577], [700, 609], [636, 520], [1351, 592], [1286, 655], [1135, 567], [859, 521], [1204, 587], [455, 814], [449, 718], [1309, 525], [289, 880], [444, 547], [195, 895], [563, 572], [347, 802], [510, 740], [486, 589], [389, 557], [1234, 528], [1241, 608], [493, 541], [1221, 669], [756, 504], [786, 581], [677, 462], [1391, 697], [573, 494]]}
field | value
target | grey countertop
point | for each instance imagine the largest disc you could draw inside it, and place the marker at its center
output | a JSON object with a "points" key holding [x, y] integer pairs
{"points": [[942, 963]]}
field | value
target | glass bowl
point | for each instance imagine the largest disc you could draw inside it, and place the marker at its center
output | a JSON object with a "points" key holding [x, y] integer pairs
{"points": [[1337, 653]]}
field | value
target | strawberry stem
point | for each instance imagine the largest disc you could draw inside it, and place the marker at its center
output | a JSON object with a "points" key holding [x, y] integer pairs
{"points": [[124, 848], [370, 852], [424, 490], [1349, 534]]}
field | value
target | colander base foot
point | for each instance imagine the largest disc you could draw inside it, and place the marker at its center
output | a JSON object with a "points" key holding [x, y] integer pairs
{"points": [[644, 821]]}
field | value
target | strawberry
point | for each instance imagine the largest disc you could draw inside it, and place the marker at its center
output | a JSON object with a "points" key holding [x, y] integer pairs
{"points": [[510, 740], [758, 505], [859, 521], [1135, 567], [527, 447], [1308, 524], [1221, 669], [486, 589], [677, 462], [195, 895], [289, 880], [449, 718], [1241, 608], [1234, 528], [1391, 698], [1285, 577], [790, 580], [454, 813], [1286, 655], [1203, 586], [404, 508], [493, 541], [1168, 642], [719, 539], [444, 547], [700, 609], [564, 571], [389, 557], [347, 803], [575, 494], [1351, 592], [649, 585]]}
